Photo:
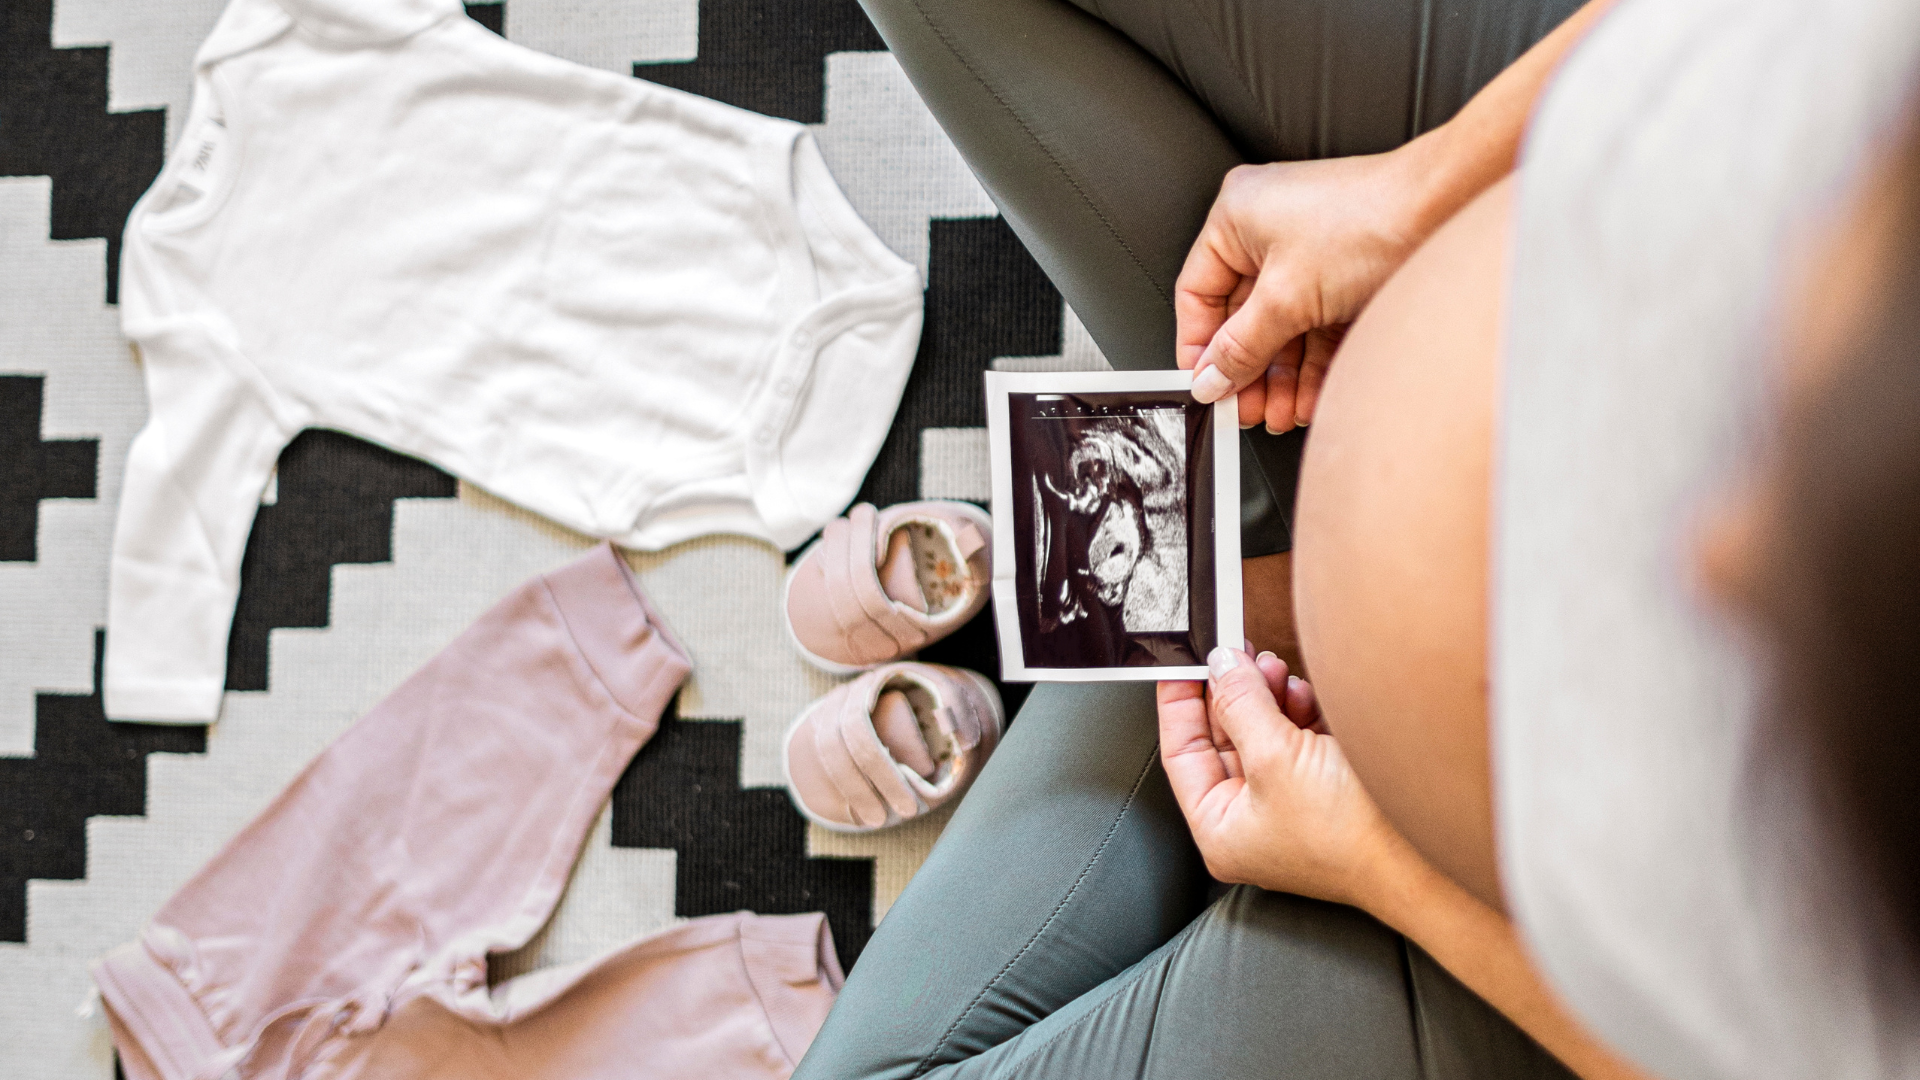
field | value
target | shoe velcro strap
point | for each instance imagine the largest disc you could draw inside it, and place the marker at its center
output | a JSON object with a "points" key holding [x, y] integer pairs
{"points": [[839, 589], [870, 755], [968, 539], [864, 804], [870, 619]]}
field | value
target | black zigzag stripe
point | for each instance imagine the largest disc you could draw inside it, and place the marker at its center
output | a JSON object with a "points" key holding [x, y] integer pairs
{"points": [[770, 58], [82, 765], [54, 122], [986, 297], [737, 848], [493, 16], [32, 470], [335, 505]]}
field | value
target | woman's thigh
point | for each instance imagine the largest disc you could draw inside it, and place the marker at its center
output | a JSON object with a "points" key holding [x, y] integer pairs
{"points": [[1269, 985], [1060, 930], [1390, 567], [1261, 984], [1067, 863], [1105, 161], [1295, 79]]}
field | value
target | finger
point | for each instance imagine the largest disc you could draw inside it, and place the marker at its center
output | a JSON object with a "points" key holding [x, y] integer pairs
{"points": [[1302, 706], [1237, 299], [1316, 358], [1252, 404], [1229, 754], [1215, 279], [1274, 670], [1242, 704], [1230, 760], [1281, 383], [1250, 338], [1194, 766]]}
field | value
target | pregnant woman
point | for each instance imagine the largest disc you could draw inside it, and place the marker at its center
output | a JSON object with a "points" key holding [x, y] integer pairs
{"points": [[1099, 947], [1066, 925]]}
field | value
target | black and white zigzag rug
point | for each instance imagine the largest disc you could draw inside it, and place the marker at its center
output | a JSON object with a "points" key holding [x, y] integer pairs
{"points": [[365, 563]]}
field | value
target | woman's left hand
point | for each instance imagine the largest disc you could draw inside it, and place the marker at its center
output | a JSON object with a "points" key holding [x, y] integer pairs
{"points": [[1290, 254], [1267, 792]]}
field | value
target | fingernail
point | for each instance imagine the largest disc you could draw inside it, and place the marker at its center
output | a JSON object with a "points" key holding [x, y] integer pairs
{"points": [[1270, 656], [1246, 427], [1220, 661], [1211, 385], [1293, 682]]}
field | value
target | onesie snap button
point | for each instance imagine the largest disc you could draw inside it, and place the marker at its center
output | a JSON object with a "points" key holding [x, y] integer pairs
{"points": [[802, 339]]}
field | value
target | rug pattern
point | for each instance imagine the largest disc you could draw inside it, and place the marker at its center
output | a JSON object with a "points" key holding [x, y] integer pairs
{"points": [[363, 563]]}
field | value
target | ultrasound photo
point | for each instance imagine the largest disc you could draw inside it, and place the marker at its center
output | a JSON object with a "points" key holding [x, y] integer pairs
{"points": [[1106, 516]]}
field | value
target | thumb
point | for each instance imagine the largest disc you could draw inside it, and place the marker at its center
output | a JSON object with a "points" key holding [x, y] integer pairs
{"points": [[1250, 340], [1243, 704]]}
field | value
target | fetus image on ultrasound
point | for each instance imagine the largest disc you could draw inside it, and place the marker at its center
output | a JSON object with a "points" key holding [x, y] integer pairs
{"points": [[1104, 486]]}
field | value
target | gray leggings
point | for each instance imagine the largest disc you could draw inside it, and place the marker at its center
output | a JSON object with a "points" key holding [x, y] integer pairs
{"points": [[1102, 132], [1064, 927], [1061, 929]]}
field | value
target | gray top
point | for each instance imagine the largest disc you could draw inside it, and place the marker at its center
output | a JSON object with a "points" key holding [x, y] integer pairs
{"points": [[1664, 869]]}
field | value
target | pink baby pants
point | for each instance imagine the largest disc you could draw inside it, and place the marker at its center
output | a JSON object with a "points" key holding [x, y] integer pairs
{"points": [[345, 932]]}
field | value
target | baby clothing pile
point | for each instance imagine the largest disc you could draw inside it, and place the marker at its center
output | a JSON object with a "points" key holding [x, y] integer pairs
{"points": [[645, 315], [345, 931]]}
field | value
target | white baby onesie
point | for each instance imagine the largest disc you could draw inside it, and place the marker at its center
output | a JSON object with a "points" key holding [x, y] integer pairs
{"points": [[642, 313]]}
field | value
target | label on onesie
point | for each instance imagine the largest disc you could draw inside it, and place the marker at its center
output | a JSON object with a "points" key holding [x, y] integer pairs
{"points": [[199, 170]]}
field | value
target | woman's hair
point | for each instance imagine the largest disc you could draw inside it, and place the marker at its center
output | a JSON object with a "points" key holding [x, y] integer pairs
{"points": [[1843, 591]]}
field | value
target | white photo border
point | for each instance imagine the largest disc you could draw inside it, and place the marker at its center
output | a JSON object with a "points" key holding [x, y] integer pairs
{"points": [[1228, 606]]}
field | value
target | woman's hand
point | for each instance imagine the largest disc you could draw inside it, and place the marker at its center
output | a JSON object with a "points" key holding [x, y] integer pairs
{"points": [[1292, 251], [1289, 255], [1267, 792], [1272, 803]]}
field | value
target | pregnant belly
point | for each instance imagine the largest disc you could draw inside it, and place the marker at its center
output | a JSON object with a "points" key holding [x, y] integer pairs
{"points": [[1390, 551]]}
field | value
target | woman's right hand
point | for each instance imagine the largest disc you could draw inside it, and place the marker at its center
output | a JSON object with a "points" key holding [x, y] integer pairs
{"points": [[1289, 255], [1267, 792], [1272, 802]]}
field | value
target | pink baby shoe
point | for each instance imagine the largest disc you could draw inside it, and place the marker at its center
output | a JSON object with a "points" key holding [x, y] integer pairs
{"points": [[891, 745], [882, 584]]}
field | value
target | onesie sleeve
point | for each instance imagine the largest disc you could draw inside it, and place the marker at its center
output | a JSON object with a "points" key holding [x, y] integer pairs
{"points": [[194, 477]]}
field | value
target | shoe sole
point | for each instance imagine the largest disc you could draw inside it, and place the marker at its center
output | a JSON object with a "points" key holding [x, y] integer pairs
{"points": [[981, 520]]}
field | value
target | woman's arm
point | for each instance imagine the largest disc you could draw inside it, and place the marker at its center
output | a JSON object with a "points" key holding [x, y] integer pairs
{"points": [[1479, 946], [1466, 155], [1272, 802], [1292, 251]]}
